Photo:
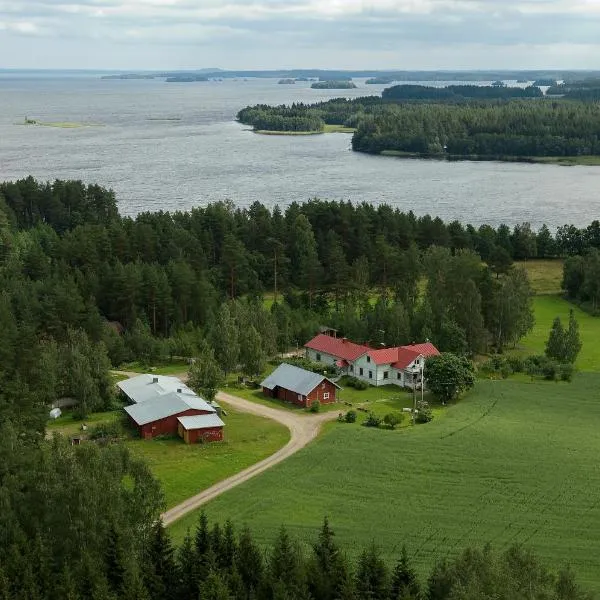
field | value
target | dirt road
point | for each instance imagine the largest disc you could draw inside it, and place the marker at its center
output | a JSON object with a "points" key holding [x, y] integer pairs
{"points": [[303, 428]]}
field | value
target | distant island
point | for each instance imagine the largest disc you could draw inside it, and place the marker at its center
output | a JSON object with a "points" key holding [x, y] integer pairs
{"points": [[379, 81], [333, 85], [186, 79], [286, 81], [545, 82]]}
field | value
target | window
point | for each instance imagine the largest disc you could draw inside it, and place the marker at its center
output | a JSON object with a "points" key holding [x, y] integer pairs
{"points": [[399, 375], [385, 374], [318, 356], [361, 372], [352, 368], [368, 358], [299, 397], [326, 396], [370, 374]]}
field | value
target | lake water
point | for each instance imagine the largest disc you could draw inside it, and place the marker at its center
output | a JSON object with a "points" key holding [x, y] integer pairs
{"points": [[203, 155]]}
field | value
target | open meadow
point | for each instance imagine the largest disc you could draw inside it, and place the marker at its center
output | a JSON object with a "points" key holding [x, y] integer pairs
{"points": [[513, 462]]}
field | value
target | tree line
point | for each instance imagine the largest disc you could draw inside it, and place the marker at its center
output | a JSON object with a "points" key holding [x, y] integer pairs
{"points": [[457, 93]]}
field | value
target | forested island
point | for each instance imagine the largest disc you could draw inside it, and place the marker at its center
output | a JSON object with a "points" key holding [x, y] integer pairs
{"points": [[342, 84], [379, 81], [84, 289], [286, 81], [456, 122]]}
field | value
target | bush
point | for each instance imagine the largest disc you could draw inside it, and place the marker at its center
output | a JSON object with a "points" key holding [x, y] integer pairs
{"points": [[516, 363], [112, 430], [315, 406], [372, 421], [424, 414], [357, 384], [565, 371], [393, 419], [350, 416], [542, 366]]}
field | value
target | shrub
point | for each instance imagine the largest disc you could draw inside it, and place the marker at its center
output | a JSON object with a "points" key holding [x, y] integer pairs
{"points": [[315, 406], [393, 419], [112, 430], [424, 414], [350, 416], [516, 363], [565, 372], [372, 421]]}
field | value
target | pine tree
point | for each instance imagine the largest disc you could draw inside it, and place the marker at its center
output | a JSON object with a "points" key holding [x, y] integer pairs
{"points": [[555, 346], [573, 342], [405, 585]]}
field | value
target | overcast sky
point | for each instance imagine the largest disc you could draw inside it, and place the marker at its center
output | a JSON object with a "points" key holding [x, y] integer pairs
{"points": [[264, 34]]}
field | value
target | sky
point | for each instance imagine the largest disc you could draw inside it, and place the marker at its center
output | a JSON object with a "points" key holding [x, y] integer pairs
{"points": [[270, 34]]}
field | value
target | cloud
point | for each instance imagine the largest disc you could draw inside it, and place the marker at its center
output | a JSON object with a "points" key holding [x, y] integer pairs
{"points": [[282, 32]]}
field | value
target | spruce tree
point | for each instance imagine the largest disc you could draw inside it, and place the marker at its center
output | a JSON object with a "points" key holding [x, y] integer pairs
{"points": [[405, 585], [187, 568], [555, 346], [114, 558], [160, 567], [372, 575], [249, 562]]}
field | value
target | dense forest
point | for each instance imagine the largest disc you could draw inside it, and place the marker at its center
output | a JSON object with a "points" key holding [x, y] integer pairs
{"points": [[81, 287], [517, 128], [457, 93], [492, 122]]}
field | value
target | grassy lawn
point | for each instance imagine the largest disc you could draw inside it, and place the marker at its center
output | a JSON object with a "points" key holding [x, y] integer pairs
{"points": [[549, 307], [184, 470], [67, 425], [512, 462], [545, 275]]}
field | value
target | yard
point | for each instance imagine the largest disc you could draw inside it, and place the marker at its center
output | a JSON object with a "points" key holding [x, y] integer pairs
{"points": [[184, 470], [512, 462]]}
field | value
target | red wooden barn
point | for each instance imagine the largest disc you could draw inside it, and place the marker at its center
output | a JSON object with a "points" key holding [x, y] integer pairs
{"points": [[299, 386], [159, 405]]}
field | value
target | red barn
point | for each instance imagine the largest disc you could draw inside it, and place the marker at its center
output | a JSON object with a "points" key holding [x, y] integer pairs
{"points": [[159, 402], [200, 428], [298, 386]]}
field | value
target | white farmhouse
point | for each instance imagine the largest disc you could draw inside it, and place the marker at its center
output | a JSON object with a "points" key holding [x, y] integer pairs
{"points": [[401, 365]]}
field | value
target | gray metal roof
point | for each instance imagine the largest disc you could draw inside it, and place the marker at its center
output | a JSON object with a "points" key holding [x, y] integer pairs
{"points": [[200, 421], [149, 387], [294, 379], [165, 406]]}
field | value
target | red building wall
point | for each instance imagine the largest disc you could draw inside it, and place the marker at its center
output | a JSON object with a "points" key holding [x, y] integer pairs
{"points": [[166, 426], [304, 401], [208, 434]]}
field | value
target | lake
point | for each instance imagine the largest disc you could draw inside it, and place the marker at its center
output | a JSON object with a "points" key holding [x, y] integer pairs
{"points": [[173, 146]]}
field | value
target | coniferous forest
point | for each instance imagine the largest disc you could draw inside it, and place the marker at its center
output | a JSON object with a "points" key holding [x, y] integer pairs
{"points": [[83, 288]]}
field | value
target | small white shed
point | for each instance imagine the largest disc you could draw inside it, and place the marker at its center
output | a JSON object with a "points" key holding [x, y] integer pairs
{"points": [[55, 413]]}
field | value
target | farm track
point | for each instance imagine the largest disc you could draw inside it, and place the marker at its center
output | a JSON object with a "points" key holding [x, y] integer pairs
{"points": [[303, 429]]}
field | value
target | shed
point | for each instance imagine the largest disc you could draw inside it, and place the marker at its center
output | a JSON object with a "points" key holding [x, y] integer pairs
{"points": [[299, 386], [200, 428]]}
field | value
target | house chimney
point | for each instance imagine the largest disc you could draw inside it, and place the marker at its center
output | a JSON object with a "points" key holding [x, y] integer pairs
{"points": [[155, 380], [179, 390]]}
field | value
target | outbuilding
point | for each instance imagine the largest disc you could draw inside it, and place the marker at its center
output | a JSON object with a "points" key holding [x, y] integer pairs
{"points": [[299, 386], [200, 428]]}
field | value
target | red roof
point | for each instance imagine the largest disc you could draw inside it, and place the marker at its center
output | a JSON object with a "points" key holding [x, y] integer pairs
{"points": [[339, 347], [406, 354], [399, 357]]}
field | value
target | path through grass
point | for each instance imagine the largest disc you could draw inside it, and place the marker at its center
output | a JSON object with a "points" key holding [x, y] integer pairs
{"points": [[513, 462]]}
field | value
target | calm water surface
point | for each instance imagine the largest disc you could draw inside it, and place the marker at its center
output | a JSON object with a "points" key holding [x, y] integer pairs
{"points": [[175, 146]]}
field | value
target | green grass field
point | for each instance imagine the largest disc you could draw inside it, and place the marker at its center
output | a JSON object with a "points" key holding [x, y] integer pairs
{"points": [[549, 307], [512, 462], [545, 275]]}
